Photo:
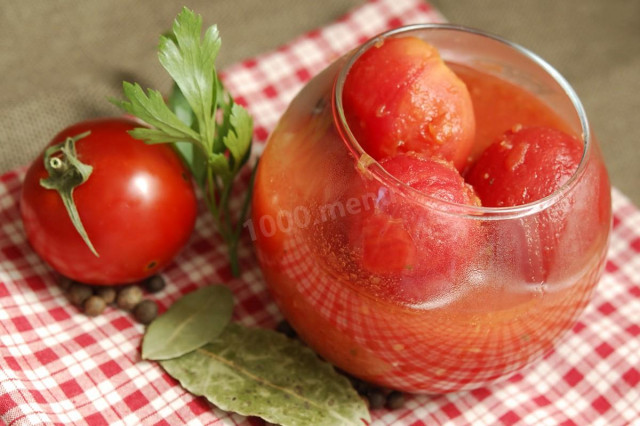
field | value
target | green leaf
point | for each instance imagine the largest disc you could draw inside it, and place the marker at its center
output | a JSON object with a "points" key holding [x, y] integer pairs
{"points": [[151, 109], [190, 62], [155, 136], [180, 107], [194, 320], [220, 165], [258, 372], [193, 157], [238, 140], [224, 101]]}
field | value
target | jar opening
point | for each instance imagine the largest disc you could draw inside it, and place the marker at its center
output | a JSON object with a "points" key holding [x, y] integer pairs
{"points": [[365, 162]]}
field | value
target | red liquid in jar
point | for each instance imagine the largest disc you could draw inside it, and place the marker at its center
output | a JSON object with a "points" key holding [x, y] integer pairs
{"points": [[485, 320]]}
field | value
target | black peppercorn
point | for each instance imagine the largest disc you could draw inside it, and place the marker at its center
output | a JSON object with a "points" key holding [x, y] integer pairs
{"points": [[361, 386], [155, 284], [395, 400], [285, 328], [145, 311], [65, 283], [376, 398]]}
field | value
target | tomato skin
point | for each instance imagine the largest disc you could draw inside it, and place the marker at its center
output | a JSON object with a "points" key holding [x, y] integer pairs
{"points": [[138, 207], [415, 249], [400, 97]]}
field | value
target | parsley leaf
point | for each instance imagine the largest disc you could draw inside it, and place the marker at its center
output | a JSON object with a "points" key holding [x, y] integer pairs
{"points": [[151, 109], [238, 140], [190, 62]]}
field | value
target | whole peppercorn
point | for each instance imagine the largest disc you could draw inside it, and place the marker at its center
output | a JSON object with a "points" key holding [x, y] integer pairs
{"points": [[129, 297], [94, 306], [376, 398], [108, 294], [362, 387], [145, 311], [79, 293], [65, 283], [395, 400], [154, 284], [285, 328]]}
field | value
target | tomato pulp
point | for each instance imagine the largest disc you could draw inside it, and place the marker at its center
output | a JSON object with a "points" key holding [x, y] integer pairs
{"points": [[485, 312]]}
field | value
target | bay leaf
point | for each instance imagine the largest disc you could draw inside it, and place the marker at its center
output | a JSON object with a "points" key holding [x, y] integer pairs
{"points": [[193, 320], [259, 372]]}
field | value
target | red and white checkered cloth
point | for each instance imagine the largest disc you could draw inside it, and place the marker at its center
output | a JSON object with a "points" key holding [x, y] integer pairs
{"points": [[58, 366]]}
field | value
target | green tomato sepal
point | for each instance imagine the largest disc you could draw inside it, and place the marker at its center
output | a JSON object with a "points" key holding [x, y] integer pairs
{"points": [[66, 172]]}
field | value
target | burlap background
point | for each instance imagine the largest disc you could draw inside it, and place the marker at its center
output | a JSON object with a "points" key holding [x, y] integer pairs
{"points": [[61, 60]]}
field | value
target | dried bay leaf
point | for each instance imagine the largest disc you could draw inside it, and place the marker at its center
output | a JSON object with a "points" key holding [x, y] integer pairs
{"points": [[258, 372], [192, 321]]}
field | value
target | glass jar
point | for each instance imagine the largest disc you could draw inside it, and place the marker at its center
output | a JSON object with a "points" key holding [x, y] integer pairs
{"points": [[490, 289]]}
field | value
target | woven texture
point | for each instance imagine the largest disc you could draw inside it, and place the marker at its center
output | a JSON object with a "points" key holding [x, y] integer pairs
{"points": [[58, 366]]}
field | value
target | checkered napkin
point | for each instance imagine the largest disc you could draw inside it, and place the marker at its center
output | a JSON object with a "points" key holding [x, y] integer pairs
{"points": [[58, 366]]}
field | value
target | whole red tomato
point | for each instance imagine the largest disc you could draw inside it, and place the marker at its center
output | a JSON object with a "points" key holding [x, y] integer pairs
{"points": [[138, 207], [524, 165], [415, 251], [527, 164], [400, 96]]}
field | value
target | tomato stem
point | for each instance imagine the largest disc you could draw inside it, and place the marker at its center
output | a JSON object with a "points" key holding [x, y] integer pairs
{"points": [[56, 163], [66, 172], [247, 202], [233, 258], [217, 199]]}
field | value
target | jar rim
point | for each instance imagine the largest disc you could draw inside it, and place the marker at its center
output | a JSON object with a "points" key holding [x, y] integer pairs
{"points": [[379, 173]]}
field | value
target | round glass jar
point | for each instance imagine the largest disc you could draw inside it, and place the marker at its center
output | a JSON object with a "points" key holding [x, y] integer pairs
{"points": [[492, 289]]}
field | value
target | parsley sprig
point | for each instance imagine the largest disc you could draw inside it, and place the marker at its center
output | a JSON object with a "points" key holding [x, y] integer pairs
{"points": [[211, 132]]}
